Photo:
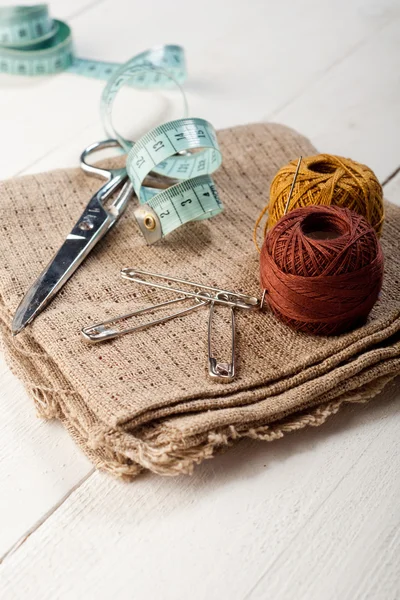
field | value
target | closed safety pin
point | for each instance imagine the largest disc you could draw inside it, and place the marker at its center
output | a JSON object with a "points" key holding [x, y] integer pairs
{"points": [[221, 371], [219, 296], [100, 332]]}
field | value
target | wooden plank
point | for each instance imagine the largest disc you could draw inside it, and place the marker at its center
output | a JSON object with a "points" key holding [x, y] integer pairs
{"points": [[39, 462], [235, 516], [350, 547], [352, 109], [392, 189], [214, 535], [43, 112], [239, 71]]}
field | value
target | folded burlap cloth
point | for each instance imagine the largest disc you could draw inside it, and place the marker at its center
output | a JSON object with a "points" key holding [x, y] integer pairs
{"points": [[145, 400]]}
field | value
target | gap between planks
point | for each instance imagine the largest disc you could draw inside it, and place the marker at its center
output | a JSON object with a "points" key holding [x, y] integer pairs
{"points": [[86, 8], [44, 518], [391, 176], [20, 172], [305, 523]]}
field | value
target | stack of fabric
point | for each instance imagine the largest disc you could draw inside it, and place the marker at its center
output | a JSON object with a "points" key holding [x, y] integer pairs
{"points": [[145, 400]]}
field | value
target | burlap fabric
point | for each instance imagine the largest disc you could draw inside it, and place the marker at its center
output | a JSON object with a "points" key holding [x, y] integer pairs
{"points": [[145, 400]]}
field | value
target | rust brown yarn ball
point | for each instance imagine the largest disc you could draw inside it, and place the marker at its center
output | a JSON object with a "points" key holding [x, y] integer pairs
{"points": [[322, 269]]}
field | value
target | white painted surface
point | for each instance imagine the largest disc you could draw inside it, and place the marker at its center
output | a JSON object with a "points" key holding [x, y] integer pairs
{"points": [[313, 516], [38, 462]]}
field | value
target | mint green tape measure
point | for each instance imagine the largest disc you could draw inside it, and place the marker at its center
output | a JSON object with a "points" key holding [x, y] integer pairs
{"points": [[31, 43], [195, 198], [182, 153], [185, 150]]}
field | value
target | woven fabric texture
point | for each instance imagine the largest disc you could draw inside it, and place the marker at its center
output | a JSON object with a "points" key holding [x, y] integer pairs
{"points": [[145, 400]]}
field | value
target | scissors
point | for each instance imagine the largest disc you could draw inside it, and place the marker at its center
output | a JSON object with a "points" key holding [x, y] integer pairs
{"points": [[95, 221]]}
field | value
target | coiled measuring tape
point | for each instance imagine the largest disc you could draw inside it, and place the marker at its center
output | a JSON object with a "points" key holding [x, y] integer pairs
{"points": [[194, 199], [167, 150], [31, 43], [184, 151]]}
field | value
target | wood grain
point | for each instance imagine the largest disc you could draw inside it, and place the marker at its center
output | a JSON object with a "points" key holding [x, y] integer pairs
{"points": [[347, 98], [311, 516], [39, 463], [261, 513]]}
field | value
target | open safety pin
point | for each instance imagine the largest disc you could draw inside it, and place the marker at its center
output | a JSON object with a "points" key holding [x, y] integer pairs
{"points": [[100, 332], [221, 371], [219, 296]]}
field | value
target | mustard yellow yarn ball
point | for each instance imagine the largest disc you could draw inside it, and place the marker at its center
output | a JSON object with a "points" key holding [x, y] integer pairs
{"points": [[325, 179]]}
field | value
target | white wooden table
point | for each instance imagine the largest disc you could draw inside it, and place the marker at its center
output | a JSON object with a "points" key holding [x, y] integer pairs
{"points": [[313, 516]]}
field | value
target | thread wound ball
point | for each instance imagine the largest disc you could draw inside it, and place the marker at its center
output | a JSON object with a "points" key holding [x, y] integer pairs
{"points": [[322, 269], [328, 180]]}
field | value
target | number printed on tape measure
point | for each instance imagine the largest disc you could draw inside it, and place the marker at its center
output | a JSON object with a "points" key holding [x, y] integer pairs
{"points": [[159, 150], [168, 150], [187, 201]]}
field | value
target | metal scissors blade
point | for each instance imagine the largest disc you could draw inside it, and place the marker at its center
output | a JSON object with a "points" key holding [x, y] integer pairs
{"points": [[93, 224]]}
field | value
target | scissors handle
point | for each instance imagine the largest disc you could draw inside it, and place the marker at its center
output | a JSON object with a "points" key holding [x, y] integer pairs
{"points": [[98, 171]]}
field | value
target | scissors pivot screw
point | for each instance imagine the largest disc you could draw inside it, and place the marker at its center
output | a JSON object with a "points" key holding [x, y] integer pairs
{"points": [[86, 225]]}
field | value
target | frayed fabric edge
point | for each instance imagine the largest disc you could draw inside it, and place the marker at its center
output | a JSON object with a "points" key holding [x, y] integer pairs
{"points": [[109, 451]]}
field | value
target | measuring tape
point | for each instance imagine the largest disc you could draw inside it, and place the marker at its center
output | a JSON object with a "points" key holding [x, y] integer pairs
{"points": [[163, 149], [185, 150], [195, 198], [182, 153], [31, 43]]}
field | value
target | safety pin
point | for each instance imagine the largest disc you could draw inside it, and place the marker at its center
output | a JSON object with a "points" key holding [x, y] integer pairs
{"points": [[221, 371], [100, 332], [233, 299]]}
